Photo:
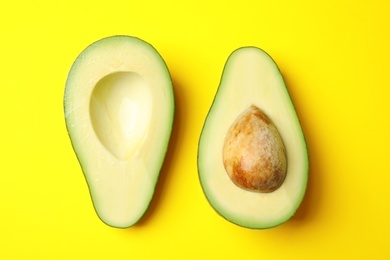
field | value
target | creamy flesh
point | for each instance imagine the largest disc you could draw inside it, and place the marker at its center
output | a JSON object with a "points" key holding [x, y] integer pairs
{"points": [[252, 78], [119, 112]]}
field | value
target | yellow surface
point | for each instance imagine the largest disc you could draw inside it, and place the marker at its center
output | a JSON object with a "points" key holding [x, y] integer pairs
{"points": [[335, 59]]}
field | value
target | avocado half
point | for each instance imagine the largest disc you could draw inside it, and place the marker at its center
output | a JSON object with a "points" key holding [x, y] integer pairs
{"points": [[119, 110], [251, 81]]}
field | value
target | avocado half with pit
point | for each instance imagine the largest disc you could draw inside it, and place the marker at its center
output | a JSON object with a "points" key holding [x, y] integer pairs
{"points": [[252, 156], [119, 110]]}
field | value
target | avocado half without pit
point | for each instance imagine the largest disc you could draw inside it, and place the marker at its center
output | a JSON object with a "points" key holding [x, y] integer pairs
{"points": [[119, 110], [252, 156]]}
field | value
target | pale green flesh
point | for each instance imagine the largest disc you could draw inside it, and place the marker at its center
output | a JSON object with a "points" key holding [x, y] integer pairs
{"points": [[119, 109], [121, 106], [252, 78]]}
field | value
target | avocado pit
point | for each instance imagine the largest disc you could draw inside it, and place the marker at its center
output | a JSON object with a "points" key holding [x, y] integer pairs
{"points": [[253, 154]]}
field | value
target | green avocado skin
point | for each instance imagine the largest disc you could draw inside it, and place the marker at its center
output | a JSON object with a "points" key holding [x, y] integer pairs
{"points": [[251, 77]]}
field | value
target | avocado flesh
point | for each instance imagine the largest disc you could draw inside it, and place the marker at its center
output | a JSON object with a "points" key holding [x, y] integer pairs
{"points": [[119, 109], [251, 77]]}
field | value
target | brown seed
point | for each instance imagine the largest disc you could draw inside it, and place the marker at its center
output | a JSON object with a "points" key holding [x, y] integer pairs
{"points": [[254, 155]]}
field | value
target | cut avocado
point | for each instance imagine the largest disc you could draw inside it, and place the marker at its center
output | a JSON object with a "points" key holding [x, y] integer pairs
{"points": [[252, 157], [119, 110]]}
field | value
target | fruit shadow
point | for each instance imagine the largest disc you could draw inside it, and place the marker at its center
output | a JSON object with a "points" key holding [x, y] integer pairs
{"points": [[311, 202], [169, 157]]}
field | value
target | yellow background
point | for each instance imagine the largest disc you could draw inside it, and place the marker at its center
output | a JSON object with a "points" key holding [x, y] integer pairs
{"points": [[334, 56]]}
